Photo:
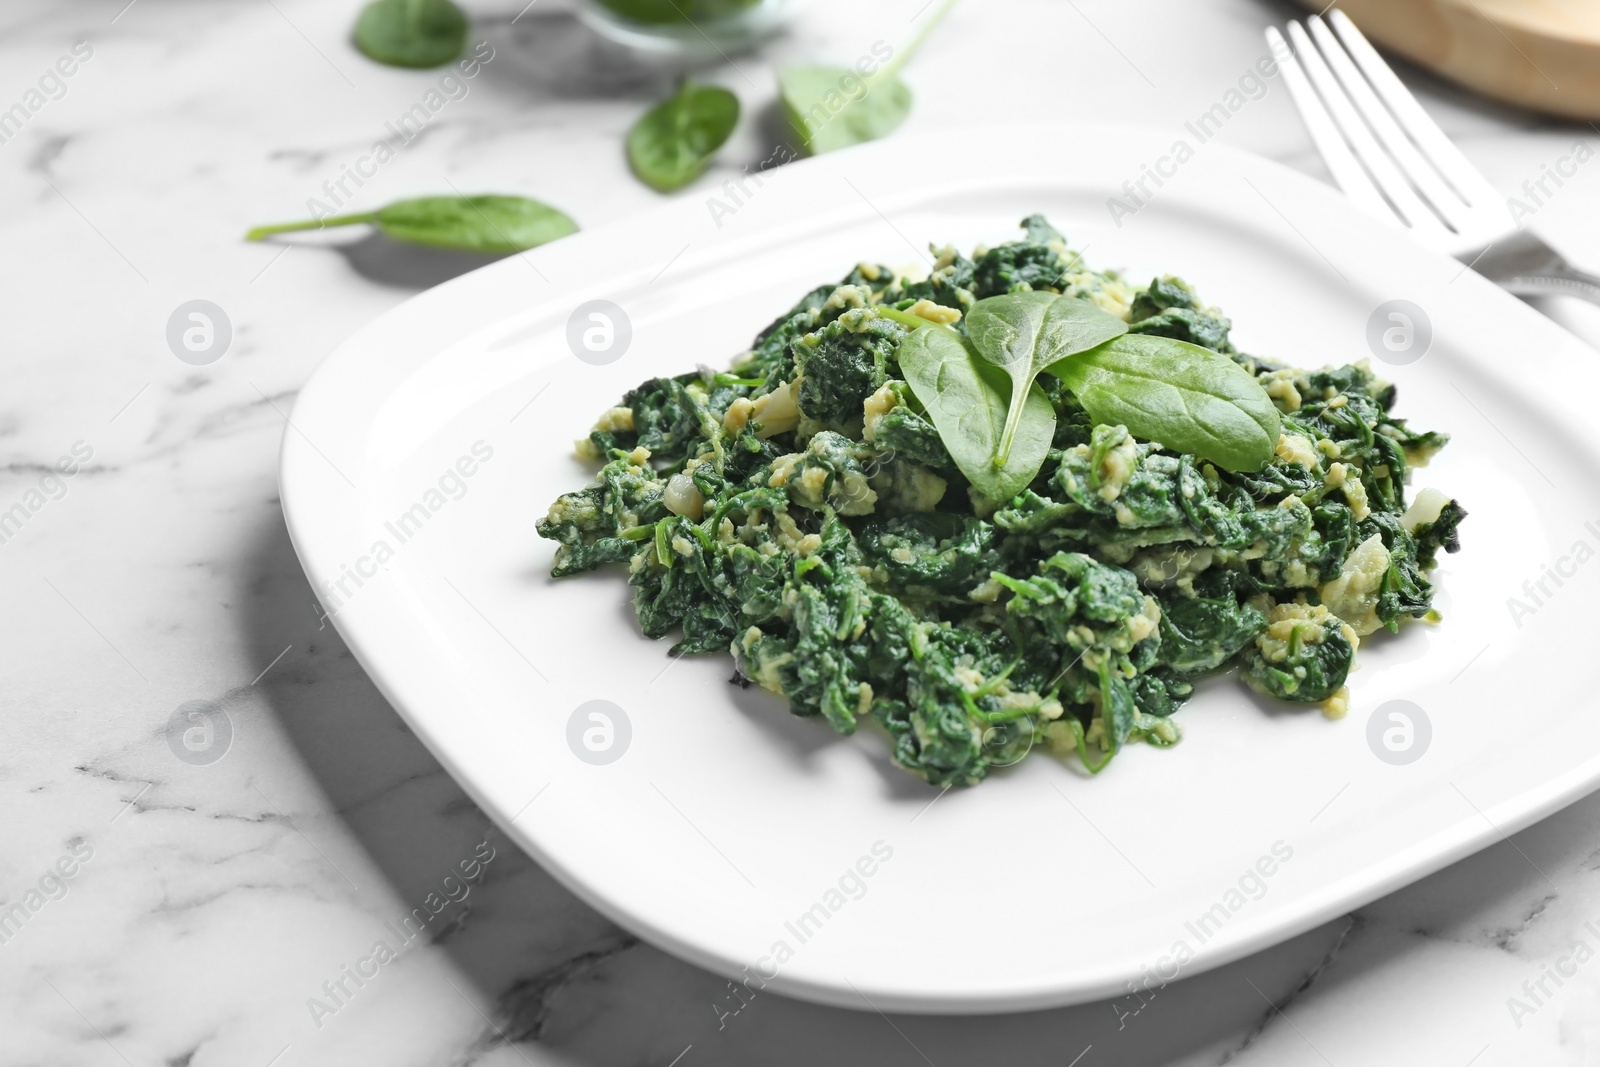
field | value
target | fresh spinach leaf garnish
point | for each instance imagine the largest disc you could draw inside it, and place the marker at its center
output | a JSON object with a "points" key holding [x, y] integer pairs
{"points": [[411, 33], [831, 108], [1023, 333], [672, 143], [967, 400], [1180, 395], [487, 223]]}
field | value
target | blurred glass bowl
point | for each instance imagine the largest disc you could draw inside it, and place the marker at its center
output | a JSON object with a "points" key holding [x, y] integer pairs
{"points": [[687, 27]]}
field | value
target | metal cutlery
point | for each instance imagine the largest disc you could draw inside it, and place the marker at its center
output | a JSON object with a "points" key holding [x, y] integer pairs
{"points": [[1395, 162]]}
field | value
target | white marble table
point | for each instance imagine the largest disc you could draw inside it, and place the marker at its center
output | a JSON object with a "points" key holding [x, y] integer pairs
{"points": [[208, 904]]}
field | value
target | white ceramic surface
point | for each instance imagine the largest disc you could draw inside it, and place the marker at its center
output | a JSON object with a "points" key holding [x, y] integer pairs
{"points": [[725, 820]]}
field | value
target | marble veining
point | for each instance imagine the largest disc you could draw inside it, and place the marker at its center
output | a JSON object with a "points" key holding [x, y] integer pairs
{"points": [[229, 912]]}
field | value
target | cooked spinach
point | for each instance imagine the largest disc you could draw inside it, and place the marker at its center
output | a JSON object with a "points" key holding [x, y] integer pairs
{"points": [[488, 223], [411, 33], [830, 511], [672, 143]]}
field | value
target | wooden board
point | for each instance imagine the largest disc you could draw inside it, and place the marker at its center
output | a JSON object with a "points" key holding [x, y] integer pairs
{"points": [[1541, 54]]}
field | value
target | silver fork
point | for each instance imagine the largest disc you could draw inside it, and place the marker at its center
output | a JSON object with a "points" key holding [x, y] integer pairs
{"points": [[1396, 164]]}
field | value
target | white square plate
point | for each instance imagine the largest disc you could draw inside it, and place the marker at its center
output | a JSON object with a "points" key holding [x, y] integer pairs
{"points": [[725, 820]]}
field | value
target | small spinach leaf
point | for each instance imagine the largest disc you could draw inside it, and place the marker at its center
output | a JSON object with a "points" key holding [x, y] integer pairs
{"points": [[488, 223], [967, 399], [1023, 333], [672, 143], [411, 33], [1180, 395], [822, 108], [475, 223], [836, 107]]}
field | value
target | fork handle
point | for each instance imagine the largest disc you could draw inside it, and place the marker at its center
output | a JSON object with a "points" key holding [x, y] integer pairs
{"points": [[1525, 265], [1569, 282]]}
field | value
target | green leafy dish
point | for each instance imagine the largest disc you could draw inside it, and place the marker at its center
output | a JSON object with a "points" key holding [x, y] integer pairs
{"points": [[1012, 503]]}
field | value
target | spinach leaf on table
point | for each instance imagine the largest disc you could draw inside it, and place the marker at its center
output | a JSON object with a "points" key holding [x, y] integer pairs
{"points": [[835, 107], [1185, 397], [411, 33], [1023, 333], [487, 223], [672, 143], [966, 399], [819, 108]]}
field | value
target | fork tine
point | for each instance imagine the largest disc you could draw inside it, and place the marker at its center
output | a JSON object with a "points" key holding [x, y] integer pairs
{"points": [[1336, 154], [1412, 211], [1444, 200], [1466, 179]]}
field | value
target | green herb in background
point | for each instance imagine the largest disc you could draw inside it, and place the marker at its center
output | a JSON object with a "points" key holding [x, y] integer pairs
{"points": [[411, 33], [487, 223], [1188, 398], [836, 107], [665, 12], [1023, 333], [672, 143]]}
